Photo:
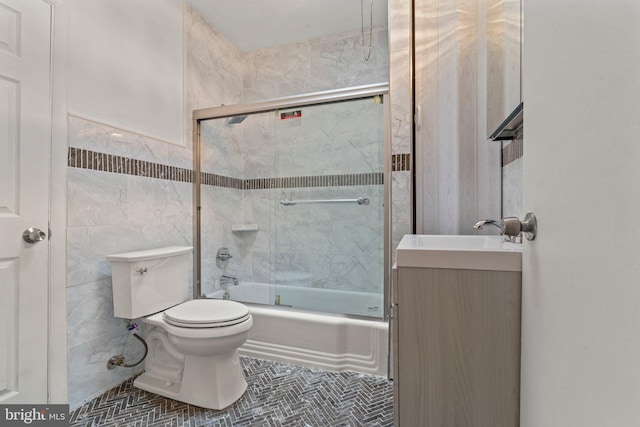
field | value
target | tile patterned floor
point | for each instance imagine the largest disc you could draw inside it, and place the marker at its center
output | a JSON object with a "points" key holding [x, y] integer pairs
{"points": [[278, 395]]}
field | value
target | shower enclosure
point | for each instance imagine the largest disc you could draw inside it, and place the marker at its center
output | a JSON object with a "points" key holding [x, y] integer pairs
{"points": [[291, 206]]}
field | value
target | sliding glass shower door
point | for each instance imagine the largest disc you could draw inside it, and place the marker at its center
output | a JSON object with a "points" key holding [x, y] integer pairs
{"points": [[290, 204], [328, 229]]}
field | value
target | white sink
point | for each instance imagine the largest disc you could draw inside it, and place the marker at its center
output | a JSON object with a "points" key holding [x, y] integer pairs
{"points": [[459, 252]]}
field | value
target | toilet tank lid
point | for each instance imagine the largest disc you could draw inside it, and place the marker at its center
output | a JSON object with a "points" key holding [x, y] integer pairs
{"points": [[149, 254]]}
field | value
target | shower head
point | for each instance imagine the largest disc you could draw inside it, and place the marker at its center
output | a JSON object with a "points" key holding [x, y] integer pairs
{"points": [[236, 119]]}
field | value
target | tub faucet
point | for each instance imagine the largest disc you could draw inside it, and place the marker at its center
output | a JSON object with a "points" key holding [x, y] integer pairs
{"points": [[225, 280]]}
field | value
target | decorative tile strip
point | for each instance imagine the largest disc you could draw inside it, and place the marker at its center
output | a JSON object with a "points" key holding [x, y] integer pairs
{"points": [[512, 151], [374, 178], [401, 162], [87, 159], [221, 181]]}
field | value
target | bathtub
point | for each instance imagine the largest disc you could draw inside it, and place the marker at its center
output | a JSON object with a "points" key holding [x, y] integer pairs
{"points": [[324, 341], [306, 298]]}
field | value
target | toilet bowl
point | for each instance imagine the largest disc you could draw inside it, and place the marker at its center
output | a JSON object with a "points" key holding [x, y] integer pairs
{"points": [[193, 345]]}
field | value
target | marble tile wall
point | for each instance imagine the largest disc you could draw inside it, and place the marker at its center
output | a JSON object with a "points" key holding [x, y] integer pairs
{"points": [[109, 213], [323, 141], [214, 67], [223, 147], [215, 72], [400, 93], [340, 246], [336, 138], [221, 208], [324, 63], [329, 246], [313, 145], [223, 150]]}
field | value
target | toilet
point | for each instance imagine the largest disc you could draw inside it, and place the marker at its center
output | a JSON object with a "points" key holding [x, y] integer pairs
{"points": [[193, 345]]}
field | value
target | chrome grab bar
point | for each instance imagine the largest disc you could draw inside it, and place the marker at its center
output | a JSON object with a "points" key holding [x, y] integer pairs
{"points": [[359, 200]]}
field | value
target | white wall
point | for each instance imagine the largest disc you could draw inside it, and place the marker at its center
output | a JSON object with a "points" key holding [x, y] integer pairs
{"points": [[122, 65], [581, 276], [125, 65]]}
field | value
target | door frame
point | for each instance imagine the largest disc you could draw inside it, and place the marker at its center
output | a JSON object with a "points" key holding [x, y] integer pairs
{"points": [[57, 328]]}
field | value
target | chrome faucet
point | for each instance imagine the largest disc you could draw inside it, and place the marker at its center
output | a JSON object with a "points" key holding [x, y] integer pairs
{"points": [[478, 225], [508, 228], [225, 280], [512, 227]]}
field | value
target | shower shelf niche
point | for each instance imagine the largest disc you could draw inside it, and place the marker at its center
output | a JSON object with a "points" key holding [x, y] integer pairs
{"points": [[241, 228]]}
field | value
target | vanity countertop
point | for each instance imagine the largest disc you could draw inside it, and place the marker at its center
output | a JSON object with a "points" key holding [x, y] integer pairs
{"points": [[459, 252]]}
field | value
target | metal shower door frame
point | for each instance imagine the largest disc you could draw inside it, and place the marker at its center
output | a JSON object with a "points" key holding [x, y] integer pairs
{"points": [[324, 97]]}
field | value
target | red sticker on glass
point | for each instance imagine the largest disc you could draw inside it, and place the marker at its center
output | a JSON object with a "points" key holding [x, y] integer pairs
{"points": [[291, 115]]}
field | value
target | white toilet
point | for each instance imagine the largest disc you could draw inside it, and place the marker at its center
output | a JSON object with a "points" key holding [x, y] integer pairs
{"points": [[193, 345]]}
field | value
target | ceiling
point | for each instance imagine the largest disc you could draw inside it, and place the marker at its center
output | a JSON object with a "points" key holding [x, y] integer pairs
{"points": [[257, 24]]}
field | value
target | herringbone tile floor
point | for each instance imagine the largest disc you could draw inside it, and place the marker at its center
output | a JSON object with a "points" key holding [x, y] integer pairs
{"points": [[278, 395]]}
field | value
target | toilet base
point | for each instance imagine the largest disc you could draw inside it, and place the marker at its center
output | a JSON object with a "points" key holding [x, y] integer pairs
{"points": [[213, 383]]}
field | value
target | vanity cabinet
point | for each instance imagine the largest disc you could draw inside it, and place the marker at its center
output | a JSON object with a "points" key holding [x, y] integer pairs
{"points": [[456, 344]]}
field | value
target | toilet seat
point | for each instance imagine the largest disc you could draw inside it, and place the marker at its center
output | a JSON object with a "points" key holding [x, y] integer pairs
{"points": [[206, 313]]}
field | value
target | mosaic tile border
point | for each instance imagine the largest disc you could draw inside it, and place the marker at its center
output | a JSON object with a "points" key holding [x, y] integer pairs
{"points": [[221, 181], [375, 178], [401, 162], [512, 151], [87, 159]]}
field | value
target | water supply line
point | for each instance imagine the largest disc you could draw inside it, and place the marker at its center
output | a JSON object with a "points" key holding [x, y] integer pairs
{"points": [[119, 360]]}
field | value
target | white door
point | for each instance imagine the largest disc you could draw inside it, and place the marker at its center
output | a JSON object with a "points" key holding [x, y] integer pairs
{"points": [[25, 135], [581, 276]]}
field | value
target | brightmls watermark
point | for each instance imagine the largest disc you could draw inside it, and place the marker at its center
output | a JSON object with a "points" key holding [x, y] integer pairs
{"points": [[34, 415]]}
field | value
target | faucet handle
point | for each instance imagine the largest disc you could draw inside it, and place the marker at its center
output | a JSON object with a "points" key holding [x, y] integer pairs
{"points": [[223, 254], [222, 258], [512, 226]]}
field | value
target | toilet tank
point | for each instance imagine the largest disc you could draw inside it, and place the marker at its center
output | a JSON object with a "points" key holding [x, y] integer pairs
{"points": [[149, 281]]}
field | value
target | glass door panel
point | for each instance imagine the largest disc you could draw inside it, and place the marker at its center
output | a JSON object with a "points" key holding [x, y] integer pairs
{"points": [[328, 217]]}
